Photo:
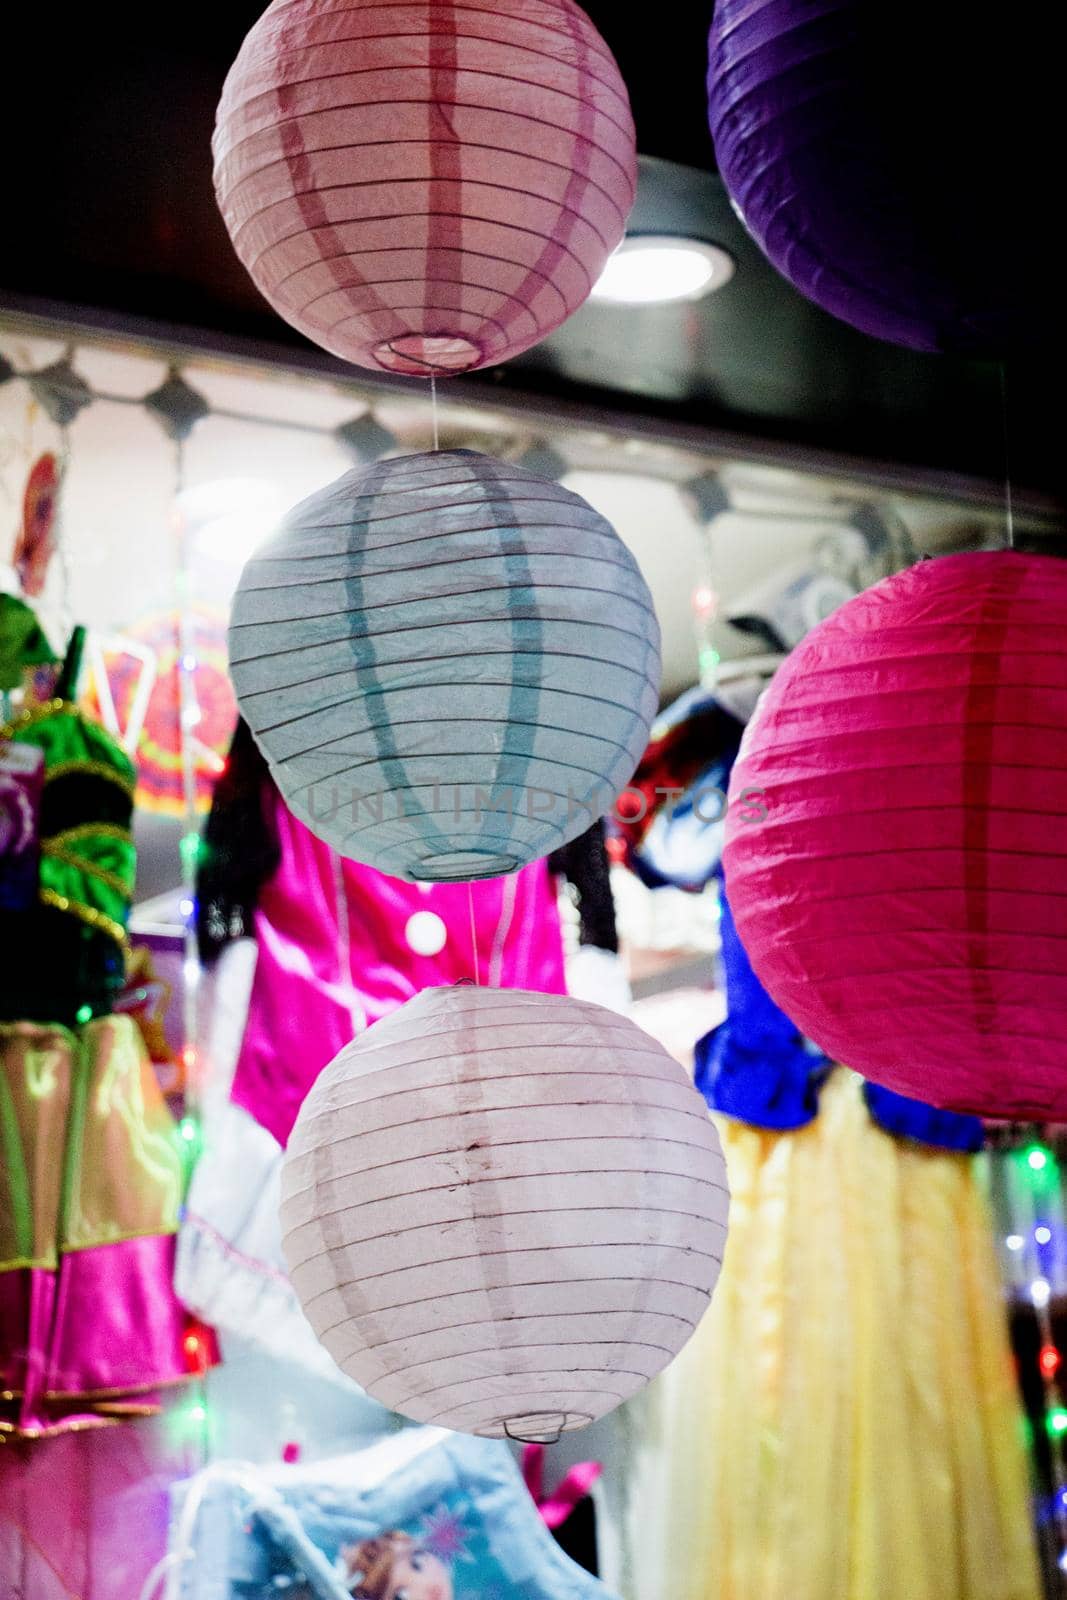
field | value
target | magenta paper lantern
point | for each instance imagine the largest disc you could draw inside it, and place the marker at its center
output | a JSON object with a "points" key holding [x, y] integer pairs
{"points": [[898, 867], [425, 187]]}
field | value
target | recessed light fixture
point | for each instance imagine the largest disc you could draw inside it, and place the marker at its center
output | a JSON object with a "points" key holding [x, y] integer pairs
{"points": [[653, 268]]}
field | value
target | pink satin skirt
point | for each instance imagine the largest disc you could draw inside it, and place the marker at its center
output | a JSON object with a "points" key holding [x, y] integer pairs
{"points": [[91, 1178]]}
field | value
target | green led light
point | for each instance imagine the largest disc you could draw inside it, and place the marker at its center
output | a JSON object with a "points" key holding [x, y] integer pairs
{"points": [[1036, 1158], [188, 1130], [193, 1423], [83, 1013], [190, 848], [709, 666], [1057, 1421]]}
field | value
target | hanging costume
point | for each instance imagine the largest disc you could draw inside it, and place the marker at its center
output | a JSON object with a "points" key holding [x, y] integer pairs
{"points": [[337, 945], [91, 1175], [845, 1422], [426, 1513]]}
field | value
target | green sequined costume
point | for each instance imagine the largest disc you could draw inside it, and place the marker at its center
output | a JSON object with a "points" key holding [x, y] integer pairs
{"points": [[69, 952]]}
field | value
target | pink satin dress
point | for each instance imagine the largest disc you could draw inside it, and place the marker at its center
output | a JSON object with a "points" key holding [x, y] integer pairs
{"points": [[340, 945]]}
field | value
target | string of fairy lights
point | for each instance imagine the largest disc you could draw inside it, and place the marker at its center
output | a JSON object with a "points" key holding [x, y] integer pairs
{"points": [[191, 1422], [1029, 1200], [196, 1347]]}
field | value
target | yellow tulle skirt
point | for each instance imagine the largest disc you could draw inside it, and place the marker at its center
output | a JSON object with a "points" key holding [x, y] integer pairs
{"points": [[844, 1425]]}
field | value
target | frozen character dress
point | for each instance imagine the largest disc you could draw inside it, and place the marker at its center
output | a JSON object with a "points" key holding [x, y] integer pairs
{"points": [[422, 1515]]}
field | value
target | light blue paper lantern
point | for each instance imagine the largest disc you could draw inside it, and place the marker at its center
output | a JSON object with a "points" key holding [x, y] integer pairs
{"points": [[450, 664]]}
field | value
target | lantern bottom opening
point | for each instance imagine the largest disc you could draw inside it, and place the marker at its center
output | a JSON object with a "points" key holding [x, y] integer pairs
{"points": [[424, 355], [464, 866], [542, 1427]]}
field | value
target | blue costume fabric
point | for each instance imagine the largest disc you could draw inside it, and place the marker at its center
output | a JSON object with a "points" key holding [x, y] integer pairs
{"points": [[423, 1512]]}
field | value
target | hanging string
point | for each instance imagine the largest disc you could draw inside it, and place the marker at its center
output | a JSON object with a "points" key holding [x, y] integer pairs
{"points": [[433, 410], [1009, 509], [198, 1412], [357, 1016], [474, 935]]}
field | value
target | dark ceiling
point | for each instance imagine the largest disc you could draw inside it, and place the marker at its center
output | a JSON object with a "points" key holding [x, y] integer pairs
{"points": [[110, 211]]}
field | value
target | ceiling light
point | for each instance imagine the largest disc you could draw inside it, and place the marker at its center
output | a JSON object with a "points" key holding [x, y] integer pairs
{"points": [[652, 268]]}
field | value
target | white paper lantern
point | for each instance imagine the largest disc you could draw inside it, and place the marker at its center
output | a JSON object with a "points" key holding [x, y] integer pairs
{"points": [[503, 1212], [450, 664]]}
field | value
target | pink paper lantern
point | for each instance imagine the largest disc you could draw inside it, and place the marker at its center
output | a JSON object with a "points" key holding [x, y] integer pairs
{"points": [[425, 187], [898, 865]]}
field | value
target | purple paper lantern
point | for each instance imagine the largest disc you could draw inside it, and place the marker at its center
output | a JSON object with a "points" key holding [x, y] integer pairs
{"points": [[876, 162]]}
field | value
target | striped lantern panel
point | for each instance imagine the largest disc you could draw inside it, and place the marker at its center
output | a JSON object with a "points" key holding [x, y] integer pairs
{"points": [[428, 186], [503, 1212], [450, 664], [896, 855]]}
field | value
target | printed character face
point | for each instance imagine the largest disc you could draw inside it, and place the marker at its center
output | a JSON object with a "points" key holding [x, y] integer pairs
{"points": [[416, 1575]]}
